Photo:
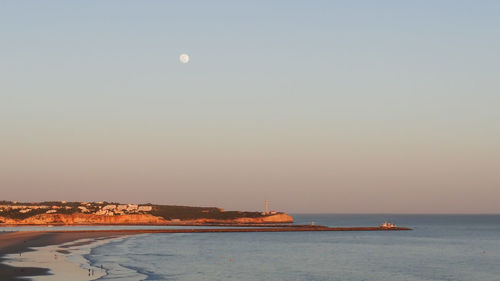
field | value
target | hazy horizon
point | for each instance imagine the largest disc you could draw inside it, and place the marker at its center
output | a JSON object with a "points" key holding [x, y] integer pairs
{"points": [[318, 107]]}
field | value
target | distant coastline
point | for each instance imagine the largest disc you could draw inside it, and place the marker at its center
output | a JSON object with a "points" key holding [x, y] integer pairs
{"points": [[105, 213]]}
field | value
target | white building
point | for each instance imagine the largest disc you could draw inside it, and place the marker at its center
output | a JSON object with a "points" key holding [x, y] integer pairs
{"points": [[145, 208], [83, 209], [132, 207], [121, 207], [109, 207]]}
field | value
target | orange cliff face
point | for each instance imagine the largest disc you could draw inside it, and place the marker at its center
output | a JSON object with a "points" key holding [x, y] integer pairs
{"points": [[277, 218], [79, 218]]}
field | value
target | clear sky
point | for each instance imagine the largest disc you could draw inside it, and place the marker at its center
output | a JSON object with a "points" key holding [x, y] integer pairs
{"points": [[316, 106]]}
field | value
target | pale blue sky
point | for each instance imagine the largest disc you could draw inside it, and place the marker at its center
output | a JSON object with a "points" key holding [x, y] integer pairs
{"points": [[317, 106]]}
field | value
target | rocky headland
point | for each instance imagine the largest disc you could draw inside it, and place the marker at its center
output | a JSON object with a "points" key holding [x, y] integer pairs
{"points": [[104, 213]]}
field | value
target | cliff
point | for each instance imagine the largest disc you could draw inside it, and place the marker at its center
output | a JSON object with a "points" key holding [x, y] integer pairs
{"points": [[138, 219], [278, 218], [80, 218]]}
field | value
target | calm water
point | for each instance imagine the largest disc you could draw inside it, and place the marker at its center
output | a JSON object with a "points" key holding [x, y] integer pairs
{"points": [[439, 248]]}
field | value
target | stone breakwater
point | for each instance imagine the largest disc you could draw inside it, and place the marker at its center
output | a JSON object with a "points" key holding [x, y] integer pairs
{"points": [[133, 219], [298, 228]]}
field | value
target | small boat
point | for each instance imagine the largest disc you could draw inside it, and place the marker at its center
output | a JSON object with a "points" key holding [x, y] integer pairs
{"points": [[387, 225]]}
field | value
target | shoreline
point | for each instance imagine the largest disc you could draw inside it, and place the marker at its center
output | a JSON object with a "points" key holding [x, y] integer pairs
{"points": [[65, 261]]}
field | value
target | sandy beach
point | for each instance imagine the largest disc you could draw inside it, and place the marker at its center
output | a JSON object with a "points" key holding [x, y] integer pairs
{"points": [[65, 261], [15, 243]]}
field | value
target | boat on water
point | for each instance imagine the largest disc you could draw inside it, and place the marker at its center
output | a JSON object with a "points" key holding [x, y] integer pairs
{"points": [[388, 225]]}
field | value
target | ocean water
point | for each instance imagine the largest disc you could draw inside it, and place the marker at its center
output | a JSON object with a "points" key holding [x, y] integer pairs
{"points": [[441, 247]]}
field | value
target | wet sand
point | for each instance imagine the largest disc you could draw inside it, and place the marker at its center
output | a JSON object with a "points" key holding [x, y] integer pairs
{"points": [[20, 242]]}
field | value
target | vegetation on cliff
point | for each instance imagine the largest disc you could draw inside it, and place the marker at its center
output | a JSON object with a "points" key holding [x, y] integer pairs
{"points": [[22, 211], [192, 213]]}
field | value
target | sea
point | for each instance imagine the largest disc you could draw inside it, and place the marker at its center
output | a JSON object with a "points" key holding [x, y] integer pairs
{"points": [[440, 247]]}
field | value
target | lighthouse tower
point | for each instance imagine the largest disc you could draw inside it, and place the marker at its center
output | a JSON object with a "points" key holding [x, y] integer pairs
{"points": [[267, 207]]}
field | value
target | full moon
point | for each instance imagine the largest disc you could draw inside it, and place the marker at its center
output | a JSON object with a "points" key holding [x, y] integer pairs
{"points": [[184, 58]]}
